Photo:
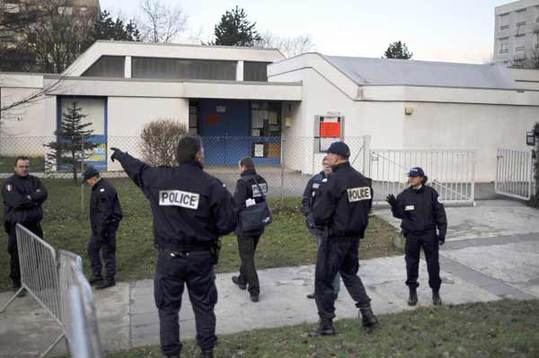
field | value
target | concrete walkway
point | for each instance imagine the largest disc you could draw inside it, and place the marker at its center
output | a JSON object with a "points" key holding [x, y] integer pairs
{"points": [[500, 259]]}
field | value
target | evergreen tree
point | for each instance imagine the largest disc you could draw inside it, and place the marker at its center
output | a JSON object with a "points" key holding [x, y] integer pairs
{"points": [[235, 30], [398, 50], [106, 28], [72, 146]]}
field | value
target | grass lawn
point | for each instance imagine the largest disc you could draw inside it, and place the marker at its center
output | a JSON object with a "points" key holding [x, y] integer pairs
{"points": [[285, 243], [496, 329]]}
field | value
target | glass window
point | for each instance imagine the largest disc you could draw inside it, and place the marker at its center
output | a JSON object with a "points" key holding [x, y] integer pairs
{"points": [[265, 119], [255, 71], [193, 118], [173, 68], [107, 66]]}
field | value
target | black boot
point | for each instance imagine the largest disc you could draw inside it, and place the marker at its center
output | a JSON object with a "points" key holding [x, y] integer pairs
{"points": [[241, 285], [368, 319], [207, 353], [325, 328], [105, 284], [94, 280], [412, 299], [436, 299]]}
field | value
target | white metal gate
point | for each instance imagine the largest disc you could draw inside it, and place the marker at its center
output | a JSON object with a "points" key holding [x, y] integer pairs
{"points": [[514, 173], [450, 172]]}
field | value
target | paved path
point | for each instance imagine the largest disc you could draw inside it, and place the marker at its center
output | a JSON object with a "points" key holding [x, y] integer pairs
{"points": [[501, 261]]}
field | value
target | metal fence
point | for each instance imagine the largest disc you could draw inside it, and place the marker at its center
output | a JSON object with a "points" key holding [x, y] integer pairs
{"points": [[450, 172], [57, 283], [287, 163], [514, 173], [79, 316]]}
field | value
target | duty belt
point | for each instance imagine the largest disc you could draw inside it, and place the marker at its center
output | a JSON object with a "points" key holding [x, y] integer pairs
{"points": [[182, 250]]}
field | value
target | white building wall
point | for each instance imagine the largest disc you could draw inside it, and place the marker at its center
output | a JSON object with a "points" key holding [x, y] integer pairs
{"points": [[483, 128], [127, 116]]}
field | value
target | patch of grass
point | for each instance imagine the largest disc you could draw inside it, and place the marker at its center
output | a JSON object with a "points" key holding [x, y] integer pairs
{"points": [[286, 242], [496, 329]]}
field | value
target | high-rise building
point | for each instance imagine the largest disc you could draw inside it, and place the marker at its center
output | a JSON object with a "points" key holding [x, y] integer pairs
{"points": [[516, 32]]}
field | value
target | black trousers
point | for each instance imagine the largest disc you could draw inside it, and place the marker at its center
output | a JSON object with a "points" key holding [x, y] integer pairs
{"points": [[338, 255], [414, 243], [247, 246], [103, 247], [15, 268], [194, 269]]}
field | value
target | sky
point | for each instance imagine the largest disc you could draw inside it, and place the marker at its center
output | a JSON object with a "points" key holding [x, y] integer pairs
{"points": [[434, 30]]}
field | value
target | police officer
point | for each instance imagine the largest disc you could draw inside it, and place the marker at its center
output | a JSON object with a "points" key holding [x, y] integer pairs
{"points": [[191, 209], [250, 188], [309, 197], [343, 209], [105, 216], [23, 196], [422, 213]]}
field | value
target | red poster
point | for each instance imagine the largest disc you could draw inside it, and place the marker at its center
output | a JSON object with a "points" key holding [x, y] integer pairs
{"points": [[212, 119], [330, 129]]}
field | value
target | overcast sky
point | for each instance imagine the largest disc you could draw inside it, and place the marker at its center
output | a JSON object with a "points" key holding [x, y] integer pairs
{"points": [[435, 30]]}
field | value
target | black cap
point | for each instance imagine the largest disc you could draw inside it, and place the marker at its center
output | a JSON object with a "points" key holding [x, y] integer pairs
{"points": [[339, 148], [90, 172], [416, 172]]}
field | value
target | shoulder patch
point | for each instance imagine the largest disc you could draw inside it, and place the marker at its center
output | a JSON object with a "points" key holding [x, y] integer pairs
{"points": [[9, 187], [183, 199], [439, 199], [359, 194], [102, 190]]}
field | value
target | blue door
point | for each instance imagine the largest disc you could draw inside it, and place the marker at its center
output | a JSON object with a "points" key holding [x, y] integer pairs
{"points": [[224, 126]]}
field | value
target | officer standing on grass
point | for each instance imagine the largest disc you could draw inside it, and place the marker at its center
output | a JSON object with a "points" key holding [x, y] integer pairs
{"points": [[310, 195], [250, 188], [23, 196], [422, 213], [343, 209], [105, 216], [191, 209]]}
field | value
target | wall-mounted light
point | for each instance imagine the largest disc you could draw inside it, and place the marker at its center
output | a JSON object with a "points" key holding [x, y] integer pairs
{"points": [[408, 110], [288, 122]]}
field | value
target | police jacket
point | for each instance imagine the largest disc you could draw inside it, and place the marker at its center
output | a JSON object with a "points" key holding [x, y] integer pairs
{"points": [[189, 206], [23, 197], [105, 210], [420, 211], [247, 188], [310, 195], [344, 203]]}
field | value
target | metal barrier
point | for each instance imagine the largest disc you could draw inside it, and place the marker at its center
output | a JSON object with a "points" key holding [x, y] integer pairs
{"points": [[79, 317], [450, 172], [57, 283], [514, 173]]}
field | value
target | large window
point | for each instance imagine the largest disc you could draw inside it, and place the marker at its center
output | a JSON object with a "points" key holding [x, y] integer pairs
{"points": [[107, 66], [255, 71], [173, 68], [265, 119]]}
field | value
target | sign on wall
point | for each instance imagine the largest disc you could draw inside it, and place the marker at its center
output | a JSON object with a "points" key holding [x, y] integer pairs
{"points": [[328, 129]]}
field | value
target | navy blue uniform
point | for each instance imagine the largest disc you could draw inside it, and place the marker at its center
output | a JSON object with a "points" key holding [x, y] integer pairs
{"points": [[23, 197], [421, 213], [191, 209], [342, 208], [105, 216], [310, 193], [247, 188]]}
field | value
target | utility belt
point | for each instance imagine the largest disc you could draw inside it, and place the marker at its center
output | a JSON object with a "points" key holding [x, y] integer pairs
{"points": [[211, 247]]}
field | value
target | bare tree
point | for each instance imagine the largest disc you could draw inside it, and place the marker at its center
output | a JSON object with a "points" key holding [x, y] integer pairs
{"points": [[160, 22], [159, 141], [289, 46]]}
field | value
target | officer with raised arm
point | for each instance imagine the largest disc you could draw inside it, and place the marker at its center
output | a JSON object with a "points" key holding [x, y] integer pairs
{"points": [[191, 210]]}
